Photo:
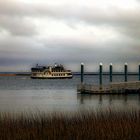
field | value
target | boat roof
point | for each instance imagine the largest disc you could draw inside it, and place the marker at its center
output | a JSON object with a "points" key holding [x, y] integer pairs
{"points": [[55, 66]]}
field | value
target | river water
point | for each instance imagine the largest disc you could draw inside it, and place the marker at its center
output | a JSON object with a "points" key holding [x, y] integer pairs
{"points": [[22, 94]]}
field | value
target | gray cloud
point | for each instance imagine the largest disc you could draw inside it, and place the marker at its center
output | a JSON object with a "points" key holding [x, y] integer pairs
{"points": [[22, 43], [126, 21], [28, 51], [90, 13], [80, 51], [17, 26]]}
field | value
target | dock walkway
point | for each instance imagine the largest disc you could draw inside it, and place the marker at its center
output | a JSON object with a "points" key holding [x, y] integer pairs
{"points": [[118, 88]]}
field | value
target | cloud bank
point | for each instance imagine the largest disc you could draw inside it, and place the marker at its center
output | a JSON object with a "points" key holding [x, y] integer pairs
{"points": [[69, 32]]}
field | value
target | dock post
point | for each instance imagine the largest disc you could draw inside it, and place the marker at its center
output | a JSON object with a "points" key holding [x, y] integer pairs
{"points": [[110, 71], [82, 73], [125, 72], [100, 74], [139, 71]]}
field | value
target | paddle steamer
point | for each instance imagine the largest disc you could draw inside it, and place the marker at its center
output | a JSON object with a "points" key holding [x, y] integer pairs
{"points": [[50, 72]]}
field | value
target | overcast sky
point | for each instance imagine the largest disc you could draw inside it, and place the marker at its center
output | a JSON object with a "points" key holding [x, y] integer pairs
{"points": [[69, 32]]}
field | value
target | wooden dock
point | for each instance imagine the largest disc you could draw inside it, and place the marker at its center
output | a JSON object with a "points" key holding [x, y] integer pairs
{"points": [[132, 87], [113, 88]]}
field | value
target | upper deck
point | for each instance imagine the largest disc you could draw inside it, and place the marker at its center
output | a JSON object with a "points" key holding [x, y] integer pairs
{"points": [[55, 68]]}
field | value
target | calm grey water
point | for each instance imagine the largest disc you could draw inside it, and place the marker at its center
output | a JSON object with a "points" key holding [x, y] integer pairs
{"points": [[22, 94]]}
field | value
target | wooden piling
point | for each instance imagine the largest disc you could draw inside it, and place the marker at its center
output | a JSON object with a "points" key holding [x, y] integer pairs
{"points": [[125, 72], [139, 72], [82, 73], [100, 74], [110, 72]]}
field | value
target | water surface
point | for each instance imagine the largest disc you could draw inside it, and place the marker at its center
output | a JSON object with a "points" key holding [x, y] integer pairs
{"points": [[22, 94]]}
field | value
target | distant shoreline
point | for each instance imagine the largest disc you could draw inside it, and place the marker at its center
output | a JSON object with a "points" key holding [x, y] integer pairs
{"points": [[7, 74], [14, 74]]}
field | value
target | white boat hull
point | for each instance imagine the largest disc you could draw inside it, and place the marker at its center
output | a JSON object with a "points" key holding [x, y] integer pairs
{"points": [[51, 77]]}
